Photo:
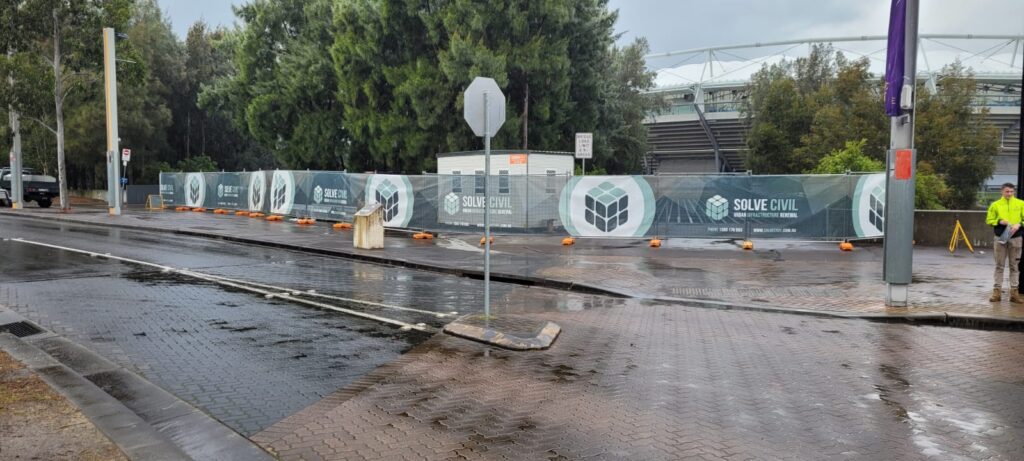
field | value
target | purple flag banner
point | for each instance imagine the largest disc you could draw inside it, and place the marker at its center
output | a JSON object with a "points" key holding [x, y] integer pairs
{"points": [[894, 57]]}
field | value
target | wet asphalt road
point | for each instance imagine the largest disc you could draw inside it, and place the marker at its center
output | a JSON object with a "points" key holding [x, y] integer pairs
{"points": [[246, 360]]}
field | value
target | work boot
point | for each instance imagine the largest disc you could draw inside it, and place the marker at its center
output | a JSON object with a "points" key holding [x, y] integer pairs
{"points": [[1015, 296], [997, 295]]}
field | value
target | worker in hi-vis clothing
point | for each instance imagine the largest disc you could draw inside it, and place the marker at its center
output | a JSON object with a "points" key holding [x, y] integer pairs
{"points": [[1005, 216]]}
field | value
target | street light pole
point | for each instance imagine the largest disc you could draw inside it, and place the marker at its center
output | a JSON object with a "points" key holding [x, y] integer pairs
{"points": [[110, 85], [898, 250]]}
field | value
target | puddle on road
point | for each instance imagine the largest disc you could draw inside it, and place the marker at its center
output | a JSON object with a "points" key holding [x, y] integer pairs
{"points": [[898, 385]]}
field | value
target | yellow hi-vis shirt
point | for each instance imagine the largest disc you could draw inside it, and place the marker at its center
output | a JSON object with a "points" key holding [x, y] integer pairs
{"points": [[1011, 210]]}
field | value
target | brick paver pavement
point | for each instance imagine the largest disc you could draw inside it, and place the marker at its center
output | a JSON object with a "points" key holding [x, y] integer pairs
{"points": [[650, 381]]}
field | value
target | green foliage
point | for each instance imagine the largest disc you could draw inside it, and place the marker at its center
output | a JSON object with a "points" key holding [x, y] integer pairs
{"points": [[850, 158], [201, 163], [957, 141], [151, 172], [402, 69], [930, 190], [591, 170], [781, 119], [283, 93], [799, 111], [622, 142]]}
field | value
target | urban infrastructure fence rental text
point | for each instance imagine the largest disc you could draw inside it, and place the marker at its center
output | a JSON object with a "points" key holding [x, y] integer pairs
{"points": [[821, 207]]}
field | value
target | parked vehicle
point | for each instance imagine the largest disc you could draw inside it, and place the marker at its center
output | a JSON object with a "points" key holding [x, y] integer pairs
{"points": [[36, 187], [5, 199]]}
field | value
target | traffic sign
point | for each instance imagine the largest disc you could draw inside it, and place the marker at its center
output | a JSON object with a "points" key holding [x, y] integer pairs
{"points": [[126, 155], [584, 145], [473, 106], [124, 181]]}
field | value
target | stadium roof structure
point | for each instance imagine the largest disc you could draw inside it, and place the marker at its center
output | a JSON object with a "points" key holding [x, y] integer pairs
{"points": [[988, 56], [702, 131]]}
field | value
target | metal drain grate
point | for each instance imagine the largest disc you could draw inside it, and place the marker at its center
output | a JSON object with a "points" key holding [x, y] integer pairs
{"points": [[20, 329]]}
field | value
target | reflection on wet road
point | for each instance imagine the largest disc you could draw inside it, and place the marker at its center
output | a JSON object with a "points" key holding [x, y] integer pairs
{"points": [[247, 360]]}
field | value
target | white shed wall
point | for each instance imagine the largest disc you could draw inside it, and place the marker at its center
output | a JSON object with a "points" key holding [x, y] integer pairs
{"points": [[538, 164]]}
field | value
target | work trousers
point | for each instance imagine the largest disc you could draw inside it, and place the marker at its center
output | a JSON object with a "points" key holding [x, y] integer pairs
{"points": [[1007, 251]]}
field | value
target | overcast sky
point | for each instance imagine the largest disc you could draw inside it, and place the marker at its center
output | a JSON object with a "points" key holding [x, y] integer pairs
{"points": [[683, 24]]}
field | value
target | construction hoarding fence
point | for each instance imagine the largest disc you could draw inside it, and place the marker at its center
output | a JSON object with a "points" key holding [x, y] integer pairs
{"points": [[823, 207]]}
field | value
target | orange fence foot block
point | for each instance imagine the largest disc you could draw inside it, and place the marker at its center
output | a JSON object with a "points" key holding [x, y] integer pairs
{"points": [[220, 211], [423, 236], [569, 241], [748, 245], [342, 225], [655, 243], [182, 208], [483, 240], [199, 210], [846, 246], [305, 221], [256, 215], [275, 218], [241, 213]]}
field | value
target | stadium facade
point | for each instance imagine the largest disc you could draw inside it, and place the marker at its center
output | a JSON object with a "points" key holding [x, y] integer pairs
{"points": [[703, 129]]}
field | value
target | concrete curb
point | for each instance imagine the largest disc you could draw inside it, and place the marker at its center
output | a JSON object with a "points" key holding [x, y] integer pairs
{"points": [[949, 319], [464, 328], [943, 318], [144, 420], [135, 438]]}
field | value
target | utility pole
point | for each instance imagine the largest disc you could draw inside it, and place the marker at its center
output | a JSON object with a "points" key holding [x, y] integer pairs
{"points": [[110, 84], [901, 162]]}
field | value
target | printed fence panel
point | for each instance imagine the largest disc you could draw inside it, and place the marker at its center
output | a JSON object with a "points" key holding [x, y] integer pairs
{"points": [[831, 207]]}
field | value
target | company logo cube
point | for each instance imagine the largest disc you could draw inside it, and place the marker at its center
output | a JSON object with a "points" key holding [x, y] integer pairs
{"points": [[717, 207], [280, 195], [606, 207], [318, 194], [451, 203], [876, 211], [195, 191], [387, 197]]}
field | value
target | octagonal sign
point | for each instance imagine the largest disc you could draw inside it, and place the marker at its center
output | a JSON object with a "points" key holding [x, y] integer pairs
{"points": [[473, 106]]}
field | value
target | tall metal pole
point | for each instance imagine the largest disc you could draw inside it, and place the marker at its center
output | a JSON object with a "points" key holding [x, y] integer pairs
{"points": [[487, 207], [897, 266], [17, 188], [110, 84]]}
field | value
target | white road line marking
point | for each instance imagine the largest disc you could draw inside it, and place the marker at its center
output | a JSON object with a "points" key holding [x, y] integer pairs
{"points": [[247, 286]]}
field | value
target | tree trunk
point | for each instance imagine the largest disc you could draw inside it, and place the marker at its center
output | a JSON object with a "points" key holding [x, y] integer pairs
{"points": [[202, 129], [188, 134], [526, 115], [58, 101]]}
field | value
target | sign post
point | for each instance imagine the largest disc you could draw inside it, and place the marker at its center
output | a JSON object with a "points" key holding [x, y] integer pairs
{"points": [[484, 110], [584, 148]]}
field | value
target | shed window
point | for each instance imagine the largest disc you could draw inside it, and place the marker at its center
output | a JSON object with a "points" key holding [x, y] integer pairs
{"points": [[503, 180], [479, 180], [457, 181]]}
